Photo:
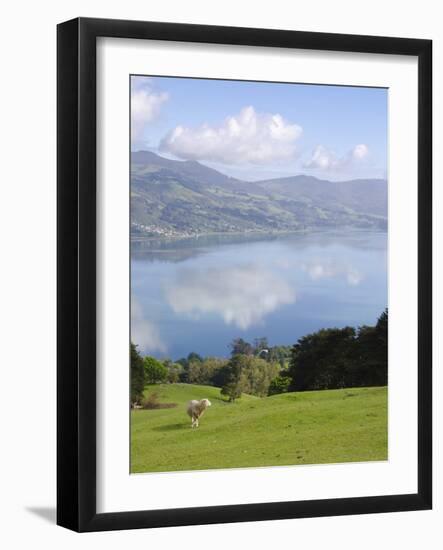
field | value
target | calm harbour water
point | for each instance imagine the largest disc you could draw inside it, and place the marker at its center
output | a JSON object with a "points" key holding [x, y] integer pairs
{"points": [[199, 294]]}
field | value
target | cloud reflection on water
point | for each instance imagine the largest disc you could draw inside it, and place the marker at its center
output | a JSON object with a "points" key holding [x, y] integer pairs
{"points": [[241, 295], [143, 332], [325, 269]]}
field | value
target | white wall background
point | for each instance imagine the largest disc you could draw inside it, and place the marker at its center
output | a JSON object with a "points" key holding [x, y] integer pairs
{"points": [[27, 275]]}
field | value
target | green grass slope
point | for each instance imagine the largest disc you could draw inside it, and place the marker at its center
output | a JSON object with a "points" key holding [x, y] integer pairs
{"points": [[320, 427]]}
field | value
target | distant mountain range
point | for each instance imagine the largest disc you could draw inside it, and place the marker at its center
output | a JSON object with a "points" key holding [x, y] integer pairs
{"points": [[185, 198]]}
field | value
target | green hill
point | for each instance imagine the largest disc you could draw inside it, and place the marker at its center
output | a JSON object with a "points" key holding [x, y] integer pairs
{"points": [[184, 198], [328, 426]]}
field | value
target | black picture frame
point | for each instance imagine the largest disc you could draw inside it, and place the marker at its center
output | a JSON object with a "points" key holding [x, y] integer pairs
{"points": [[76, 265]]}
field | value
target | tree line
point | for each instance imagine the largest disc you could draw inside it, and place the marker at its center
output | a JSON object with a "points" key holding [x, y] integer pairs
{"points": [[326, 359]]}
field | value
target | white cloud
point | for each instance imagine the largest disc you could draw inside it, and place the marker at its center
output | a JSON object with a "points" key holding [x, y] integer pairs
{"points": [[240, 295], [143, 332], [321, 158], [326, 160], [248, 137], [145, 106]]}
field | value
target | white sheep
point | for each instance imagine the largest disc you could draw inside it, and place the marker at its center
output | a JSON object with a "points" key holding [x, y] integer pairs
{"points": [[196, 409]]}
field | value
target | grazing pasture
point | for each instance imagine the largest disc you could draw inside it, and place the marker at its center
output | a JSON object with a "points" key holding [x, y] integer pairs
{"points": [[314, 427]]}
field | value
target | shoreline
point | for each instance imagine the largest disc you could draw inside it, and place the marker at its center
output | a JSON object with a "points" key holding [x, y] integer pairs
{"points": [[196, 236]]}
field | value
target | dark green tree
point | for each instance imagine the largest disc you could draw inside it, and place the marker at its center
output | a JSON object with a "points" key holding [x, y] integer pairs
{"points": [[137, 375], [221, 376], [322, 360], [339, 358], [240, 347], [371, 354], [235, 379]]}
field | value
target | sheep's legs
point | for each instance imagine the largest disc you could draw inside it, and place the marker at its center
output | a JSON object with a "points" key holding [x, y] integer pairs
{"points": [[194, 423]]}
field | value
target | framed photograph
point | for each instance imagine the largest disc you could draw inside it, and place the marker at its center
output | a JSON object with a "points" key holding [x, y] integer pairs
{"points": [[244, 274]]}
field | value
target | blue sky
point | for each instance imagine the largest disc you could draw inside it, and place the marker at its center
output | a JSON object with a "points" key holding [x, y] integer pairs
{"points": [[257, 130]]}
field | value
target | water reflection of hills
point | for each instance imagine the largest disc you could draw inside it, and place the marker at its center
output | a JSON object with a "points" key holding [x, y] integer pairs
{"points": [[178, 250]]}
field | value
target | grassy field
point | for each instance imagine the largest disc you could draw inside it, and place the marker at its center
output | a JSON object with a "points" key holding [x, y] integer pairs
{"points": [[328, 426]]}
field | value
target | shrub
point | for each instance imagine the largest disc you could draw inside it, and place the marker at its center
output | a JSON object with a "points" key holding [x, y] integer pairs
{"points": [[279, 384], [152, 402]]}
